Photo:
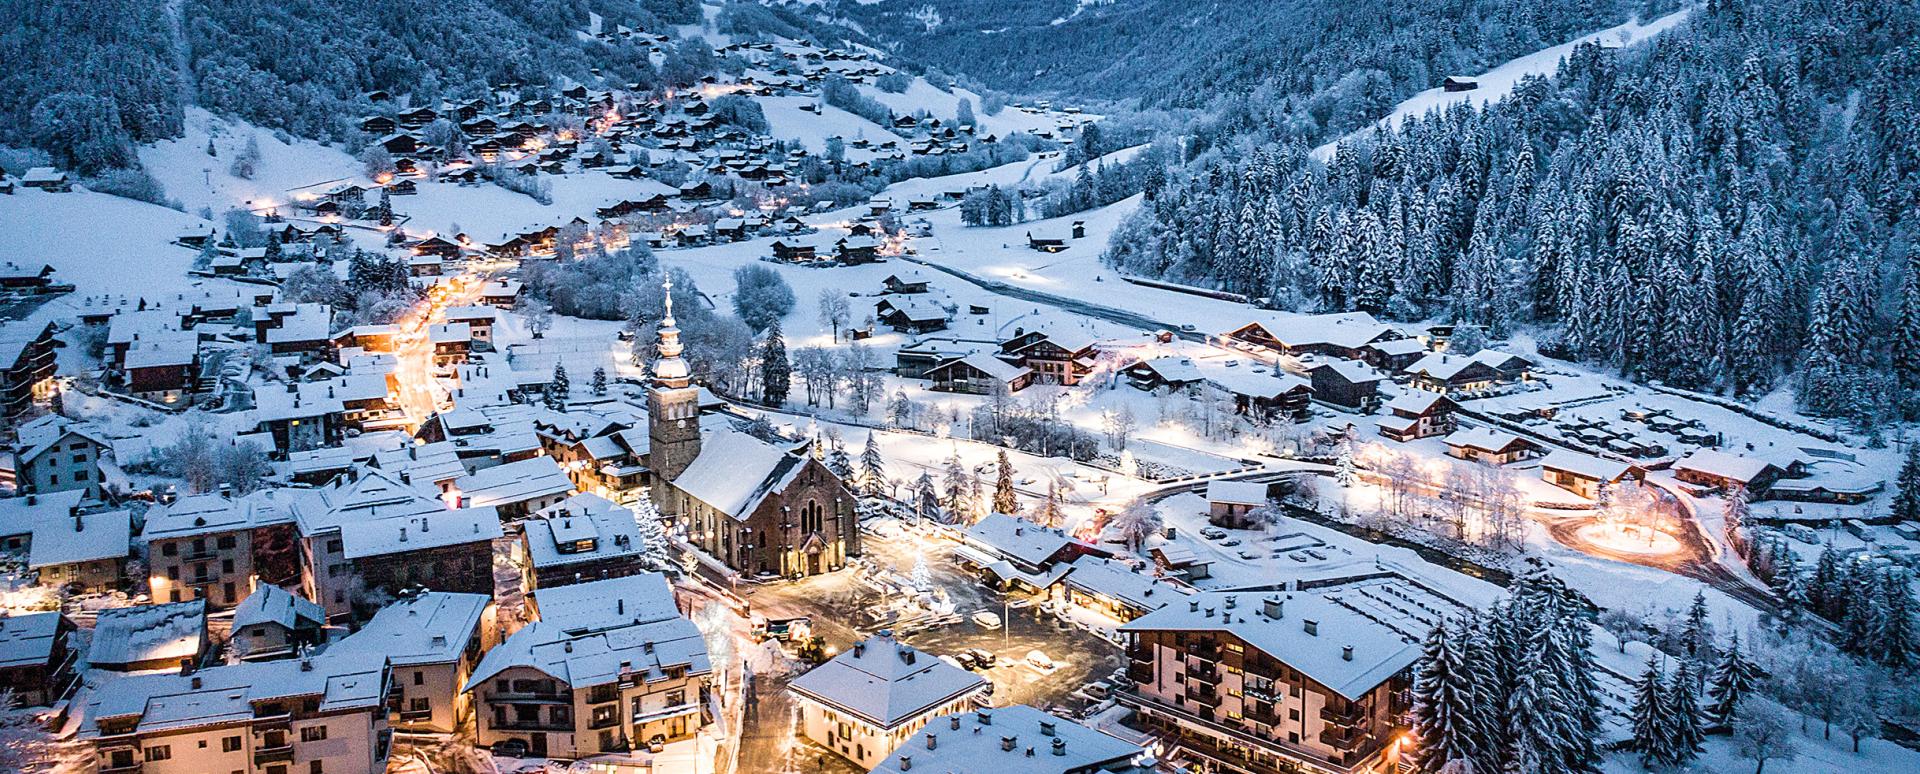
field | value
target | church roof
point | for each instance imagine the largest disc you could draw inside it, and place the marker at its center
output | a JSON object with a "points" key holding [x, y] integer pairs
{"points": [[736, 471]]}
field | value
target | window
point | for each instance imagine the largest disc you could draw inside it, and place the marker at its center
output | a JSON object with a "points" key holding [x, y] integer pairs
{"points": [[79, 475], [419, 677], [333, 546], [313, 733], [230, 744], [419, 704], [226, 566], [314, 767], [227, 541], [169, 549], [173, 572], [159, 752], [53, 479]]}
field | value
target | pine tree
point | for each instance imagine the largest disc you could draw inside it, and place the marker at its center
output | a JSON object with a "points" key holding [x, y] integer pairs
{"points": [[837, 459], [776, 371], [1444, 704], [1544, 735], [1896, 643], [1696, 634], [599, 381], [1652, 719], [559, 391], [955, 482], [921, 577], [873, 469], [1906, 504], [1004, 500], [1733, 677], [926, 498], [1049, 514], [655, 547], [1683, 707]]}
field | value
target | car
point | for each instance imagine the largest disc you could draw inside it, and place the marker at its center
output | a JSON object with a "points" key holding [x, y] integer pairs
{"points": [[1230, 542], [984, 658], [954, 661], [1249, 554], [964, 660], [1212, 533], [1038, 660], [1099, 690], [1189, 327], [987, 618]]}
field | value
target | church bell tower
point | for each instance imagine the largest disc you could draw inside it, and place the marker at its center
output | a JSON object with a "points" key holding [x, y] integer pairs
{"points": [[673, 409]]}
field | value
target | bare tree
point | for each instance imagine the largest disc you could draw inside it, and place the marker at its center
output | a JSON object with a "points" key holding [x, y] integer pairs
{"points": [[1119, 426], [1761, 733], [834, 309]]}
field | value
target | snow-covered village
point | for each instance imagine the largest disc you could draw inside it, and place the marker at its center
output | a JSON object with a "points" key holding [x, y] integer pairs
{"points": [[959, 387]]}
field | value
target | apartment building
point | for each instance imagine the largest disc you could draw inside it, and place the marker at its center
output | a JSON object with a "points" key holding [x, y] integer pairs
{"points": [[432, 642], [872, 697]]}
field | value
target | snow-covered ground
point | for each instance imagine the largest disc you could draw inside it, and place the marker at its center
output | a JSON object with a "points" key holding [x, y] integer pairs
{"points": [[1497, 83]]}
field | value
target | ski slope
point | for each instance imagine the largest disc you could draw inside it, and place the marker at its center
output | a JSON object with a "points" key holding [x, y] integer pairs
{"points": [[1497, 83]]}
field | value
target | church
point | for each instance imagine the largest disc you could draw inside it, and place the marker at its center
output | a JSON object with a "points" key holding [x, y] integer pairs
{"points": [[759, 508]]}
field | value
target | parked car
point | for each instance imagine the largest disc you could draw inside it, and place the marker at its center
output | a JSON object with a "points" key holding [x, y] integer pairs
{"points": [[1039, 660], [984, 657], [1212, 533], [1230, 542]]}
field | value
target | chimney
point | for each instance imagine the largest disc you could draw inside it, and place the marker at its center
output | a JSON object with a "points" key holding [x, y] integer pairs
{"points": [[906, 655], [1209, 612], [906, 763], [933, 741], [953, 722], [1346, 653], [1312, 627], [1274, 608], [859, 649], [1059, 747], [1231, 601], [1193, 607], [986, 718], [1006, 743], [226, 490], [186, 666], [196, 682], [569, 646], [1046, 728], [403, 534], [620, 606]]}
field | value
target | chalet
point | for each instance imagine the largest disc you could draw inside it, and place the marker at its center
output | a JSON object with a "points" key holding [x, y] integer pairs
{"points": [[894, 284], [1508, 366], [1053, 359], [1393, 355], [1417, 415], [978, 374], [501, 293], [415, 118], [1490, 446], [452, 342], [1340, 334], [1015, 551], [399, 143], [142, 637], [432, 642], [1231, 504], [28, 277], [293, 328], [479, 320], [437, 246], [1456, 83], [515, 489], [1265, 398], [378, 126], [1046, 242], [787, 250], [47, 179], [584, 537], [27, 366], [1345, 383], [699, 190], [273, 623], [1584, 474], [1720, 470], [1172, 373], [856, 250], [37, 657], [55, 454], [63, 546], [911, 315], [1839, 490]]}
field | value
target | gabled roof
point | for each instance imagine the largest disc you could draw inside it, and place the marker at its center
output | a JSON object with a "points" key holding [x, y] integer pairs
{"points": [[514, 482], [27, 639], [1585, 465], [270, 604], [1044, 744], [167, 632], [885, 682], [585, 516], [1484, 439], [736, 471], [1723, 465], [1237, 492], [1017, 538], [431, 627]]}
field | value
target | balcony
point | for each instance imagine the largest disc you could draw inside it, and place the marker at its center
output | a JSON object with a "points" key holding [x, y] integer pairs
{"points": [[1204, 674], [1205, 694], [414, 716], [201, 555], [265, 755], [1344, 740], [530, 697], [1352, 715], [132, 767], [1140, 673], [531, 725], [600, 723]]}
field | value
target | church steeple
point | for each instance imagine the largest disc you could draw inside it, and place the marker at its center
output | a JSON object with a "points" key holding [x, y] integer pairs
{"points": [[673, 410]]}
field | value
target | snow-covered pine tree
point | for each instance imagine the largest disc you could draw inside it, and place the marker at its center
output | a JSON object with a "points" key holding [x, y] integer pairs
{"points": [[1696, 633], [1004, 499], [1906, 504], [837, 459], [1683, 707], [1049, 514], [955, 484], [599, 385], [873, 469], [926, 498], [776, 371], [1651, 718], [655, 547], [1732, 679], [1896, 643], [1443, 704], [558, 391]]}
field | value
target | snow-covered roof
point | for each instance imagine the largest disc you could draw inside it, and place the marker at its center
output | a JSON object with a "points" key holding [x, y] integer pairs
{"points": [[735, 471], [1353, 371], [40, 435], [1311, 633], [431, 463], [1019, 539], [599, 657], [987, 364], [144, 633], [224, 695], [1042, 744], [433, 529], [81, 538], [604, 604], [1118, 581], [208, 513], [885, 682], [1414, 402], [270, 604], [430, 627], [1351, 330], [308, 322], [1585, 465], [27, 639], [471, 314], [1237, 492], [1723, 465], [1406, 346], [1178, 370], [450, 333], [1482, 438], [583, 528], [162, 349], [514, 482]]}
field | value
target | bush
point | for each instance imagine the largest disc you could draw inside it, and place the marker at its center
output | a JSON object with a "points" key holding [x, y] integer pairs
{"points": [[760, 296], [133, 184], [894, 82], [740, 111]]}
